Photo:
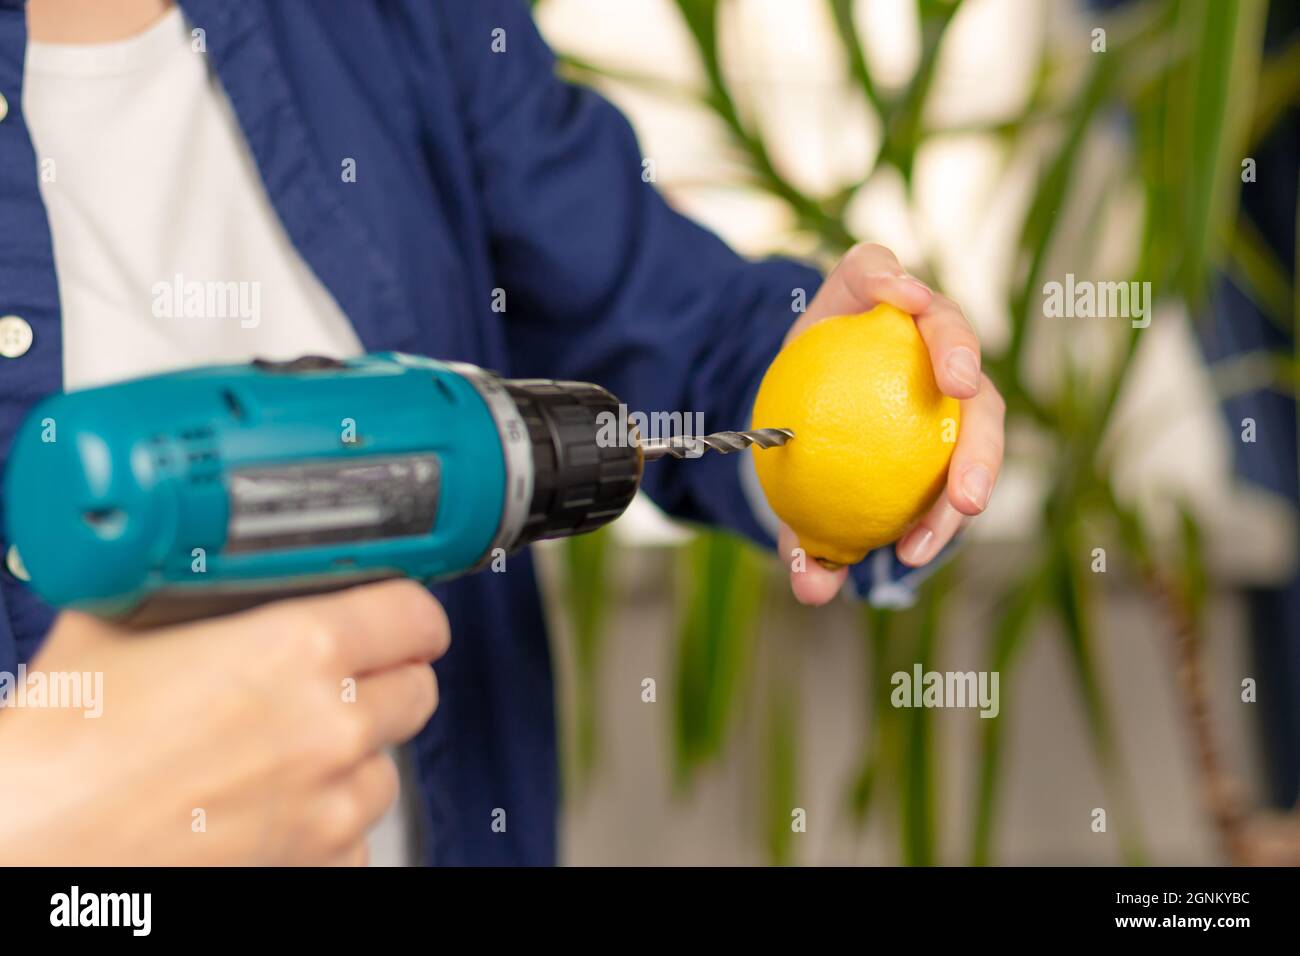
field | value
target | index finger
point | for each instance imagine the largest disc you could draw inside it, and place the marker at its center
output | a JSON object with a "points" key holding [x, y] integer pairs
{"points": [[377, 626], [953, 346], [867, 275]]}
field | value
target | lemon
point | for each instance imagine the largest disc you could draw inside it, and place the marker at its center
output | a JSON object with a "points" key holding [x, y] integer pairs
{"points": [[873, 433]]}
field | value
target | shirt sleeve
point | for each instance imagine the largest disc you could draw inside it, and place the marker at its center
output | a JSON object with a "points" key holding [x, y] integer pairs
{"points": [[603, 280]]}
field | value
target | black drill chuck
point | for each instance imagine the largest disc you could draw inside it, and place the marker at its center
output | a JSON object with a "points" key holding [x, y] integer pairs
{"points": [[581, 479]]}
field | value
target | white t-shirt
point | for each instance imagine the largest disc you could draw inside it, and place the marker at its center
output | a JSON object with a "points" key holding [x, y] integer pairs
{"points": [[168, 250]]}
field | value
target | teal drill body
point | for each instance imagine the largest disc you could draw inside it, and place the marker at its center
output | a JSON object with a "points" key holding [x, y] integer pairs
{"points": [[179, 494]]}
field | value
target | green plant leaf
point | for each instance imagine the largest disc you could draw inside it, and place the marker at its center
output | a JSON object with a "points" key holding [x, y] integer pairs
{"points": [[700, 17], [586, 590], [577, 69], [919, 830], [905, 129], [846, 31], [1279, 88], [1226, 40], [781, 772], [1133, 533], [1013, 627], [1071, 587], [877, 633], [1255, 267], [724, 580], [1040, 222]]}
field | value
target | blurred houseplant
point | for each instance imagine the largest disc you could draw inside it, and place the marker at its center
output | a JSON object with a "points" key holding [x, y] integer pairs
{"points": [[1189, 78]]}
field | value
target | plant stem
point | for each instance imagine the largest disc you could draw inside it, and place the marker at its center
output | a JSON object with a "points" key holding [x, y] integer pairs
{"points": [[1218, 794]]}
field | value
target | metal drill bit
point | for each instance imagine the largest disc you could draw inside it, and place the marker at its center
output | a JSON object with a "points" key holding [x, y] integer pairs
{"points": [[693, 446]]}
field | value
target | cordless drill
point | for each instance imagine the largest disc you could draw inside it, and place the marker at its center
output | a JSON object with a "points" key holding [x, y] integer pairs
{"points": [[199, 492]]}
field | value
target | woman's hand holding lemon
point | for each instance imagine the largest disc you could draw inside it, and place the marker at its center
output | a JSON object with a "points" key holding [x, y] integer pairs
{"points": [[876, 425]]}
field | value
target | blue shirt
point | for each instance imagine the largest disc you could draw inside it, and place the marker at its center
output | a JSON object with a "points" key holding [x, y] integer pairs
{"points": [[475, 171]]}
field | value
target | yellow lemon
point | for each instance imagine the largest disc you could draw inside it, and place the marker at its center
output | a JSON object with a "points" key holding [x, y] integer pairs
{"points": [[872, 433]]}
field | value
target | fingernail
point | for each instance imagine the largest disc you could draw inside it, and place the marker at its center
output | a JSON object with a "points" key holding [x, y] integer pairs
{"points": [[964, 367], [917, 284], [915, 549], [977, 485]]}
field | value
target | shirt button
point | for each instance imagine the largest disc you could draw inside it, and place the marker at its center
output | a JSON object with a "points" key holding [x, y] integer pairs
{"points": [[4, 107], [15, 336], [14, 562]]}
